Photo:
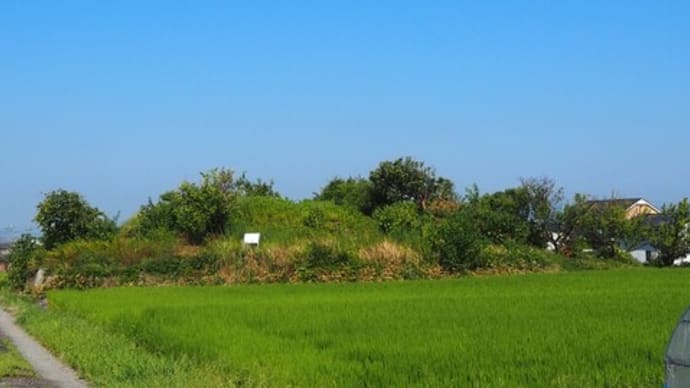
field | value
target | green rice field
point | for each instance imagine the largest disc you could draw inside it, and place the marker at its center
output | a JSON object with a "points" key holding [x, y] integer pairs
{"points": [[603, 328]]}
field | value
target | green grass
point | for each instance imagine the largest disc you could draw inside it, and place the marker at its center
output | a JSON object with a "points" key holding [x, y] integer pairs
{"points": [[603, 328], [281, 221], [12, 364]]}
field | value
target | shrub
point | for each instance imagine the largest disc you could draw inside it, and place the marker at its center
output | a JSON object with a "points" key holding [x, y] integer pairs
{"points": [[515, 257], [398, 218], [456, 243], [354, 193], [77, 254], [131, 251], [327, 255], [21, 258], [264, 264], [408, 180], [65, 216], [314, 218], [392, 261], [195, 211]]}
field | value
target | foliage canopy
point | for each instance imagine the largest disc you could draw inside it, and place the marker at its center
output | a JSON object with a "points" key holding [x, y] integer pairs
{"points": [[65, 216]]}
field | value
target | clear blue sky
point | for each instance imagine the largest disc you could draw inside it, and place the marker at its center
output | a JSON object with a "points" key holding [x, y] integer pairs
{"points": [[124, 100]]}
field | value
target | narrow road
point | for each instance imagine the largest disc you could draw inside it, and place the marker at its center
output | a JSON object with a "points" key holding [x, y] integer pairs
{"points": [[44, 363]]}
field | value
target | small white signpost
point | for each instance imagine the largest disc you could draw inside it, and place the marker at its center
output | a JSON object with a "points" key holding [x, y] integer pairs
{"points": [[252, 239]]}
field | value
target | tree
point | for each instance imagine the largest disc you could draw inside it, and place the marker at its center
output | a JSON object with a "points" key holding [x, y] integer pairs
{"points": [[671, 236], [194, 210], [500, 217], [244, 187], [543, 201], [355, 193], [603, 226], [406, 179], [22, 254], [65, 216], [565, 224], [457, 242]]}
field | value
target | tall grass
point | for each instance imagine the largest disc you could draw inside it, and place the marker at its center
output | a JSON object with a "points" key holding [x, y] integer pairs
{"points": [[567, 330], [281, 221]]}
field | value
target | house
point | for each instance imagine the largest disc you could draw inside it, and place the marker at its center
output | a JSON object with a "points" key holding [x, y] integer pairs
{"points": [[634, 207], [646, 252], [639, 207]]}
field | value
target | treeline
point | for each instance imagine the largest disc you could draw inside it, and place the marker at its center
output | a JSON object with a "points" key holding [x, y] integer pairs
{"points": [[402, 221]]}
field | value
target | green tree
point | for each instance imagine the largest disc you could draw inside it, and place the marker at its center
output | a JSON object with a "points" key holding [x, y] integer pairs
{"points": [[197, 211], [604, 226], [406, 179], [65, 216], [398, 219], [500, 217], [244, 187], [457, 242], [355, 193], [566, 223], [23, 252], [543, 209], [672, 235]]}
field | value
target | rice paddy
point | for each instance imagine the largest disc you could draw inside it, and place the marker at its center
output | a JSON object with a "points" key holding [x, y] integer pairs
{"points": [[607, 328]]}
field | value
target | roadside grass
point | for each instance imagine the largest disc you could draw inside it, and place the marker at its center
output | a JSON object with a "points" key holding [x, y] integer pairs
{"points": [[12, 364], [580, 329], [106, 358]]}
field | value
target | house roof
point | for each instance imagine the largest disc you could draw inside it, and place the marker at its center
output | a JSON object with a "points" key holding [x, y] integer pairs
{"points": [[655, 219], [644, 246], [626, 203]]}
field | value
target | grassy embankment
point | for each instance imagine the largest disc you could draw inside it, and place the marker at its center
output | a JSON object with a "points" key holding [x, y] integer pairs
{"points": [[309, 241], [603, 328], [12, 364]]}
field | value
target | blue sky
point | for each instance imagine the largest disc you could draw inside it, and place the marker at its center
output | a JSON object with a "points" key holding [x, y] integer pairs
{"points": [[124, 100]]}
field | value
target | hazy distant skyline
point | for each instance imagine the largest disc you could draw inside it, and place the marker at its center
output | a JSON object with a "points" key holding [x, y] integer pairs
{"points": [[122, 101]]}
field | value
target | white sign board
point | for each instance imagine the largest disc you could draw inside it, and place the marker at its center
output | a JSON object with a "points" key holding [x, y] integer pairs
{"points": [[252, 238]]}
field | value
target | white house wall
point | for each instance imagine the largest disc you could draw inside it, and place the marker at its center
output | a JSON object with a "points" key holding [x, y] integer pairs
{"points": [[640, 255], [682, 260]]}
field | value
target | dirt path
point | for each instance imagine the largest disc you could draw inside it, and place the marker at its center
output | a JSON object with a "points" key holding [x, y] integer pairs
{"points": [[44, 363]]}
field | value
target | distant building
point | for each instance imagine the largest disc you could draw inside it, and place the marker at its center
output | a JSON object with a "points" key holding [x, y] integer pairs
{"points": [[646, 252], [634, 207], [637, 207]]}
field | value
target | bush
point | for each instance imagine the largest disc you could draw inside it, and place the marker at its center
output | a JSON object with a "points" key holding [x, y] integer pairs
{"points": [[314, 218], [354, 193], [327, 256], [21, 258], [398, 218], [392, 261], [516, 257], [83, 264], [64, 216], [457, 244], [195, 211]]}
